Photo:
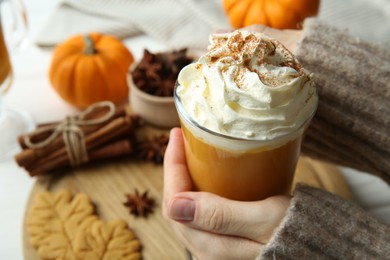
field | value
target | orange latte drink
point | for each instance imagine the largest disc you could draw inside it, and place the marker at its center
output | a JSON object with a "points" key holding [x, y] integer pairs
{"points": [[5, 64], [243, 107]]}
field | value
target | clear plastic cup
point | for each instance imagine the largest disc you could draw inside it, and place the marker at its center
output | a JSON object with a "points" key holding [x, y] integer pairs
{"points": [[236, 168]]}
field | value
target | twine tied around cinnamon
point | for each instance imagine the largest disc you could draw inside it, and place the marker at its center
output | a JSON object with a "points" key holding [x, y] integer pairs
{"points": [[71, 131]]}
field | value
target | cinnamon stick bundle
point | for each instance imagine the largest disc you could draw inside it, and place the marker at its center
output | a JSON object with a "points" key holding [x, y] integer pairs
{"points": [[110, 150], [106, 139], [120, 111]]}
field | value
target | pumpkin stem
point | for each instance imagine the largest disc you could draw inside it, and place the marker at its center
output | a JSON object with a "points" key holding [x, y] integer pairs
{"points": [[89, 46]]}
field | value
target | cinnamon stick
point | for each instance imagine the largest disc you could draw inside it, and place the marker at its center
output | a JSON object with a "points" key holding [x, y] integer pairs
{"points": [[31, 159], [109, 150], [104, 132], [97, 113]]}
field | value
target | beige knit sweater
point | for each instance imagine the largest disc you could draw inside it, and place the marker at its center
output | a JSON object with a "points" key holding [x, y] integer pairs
{"points": [[351, 127], [352, 124]]}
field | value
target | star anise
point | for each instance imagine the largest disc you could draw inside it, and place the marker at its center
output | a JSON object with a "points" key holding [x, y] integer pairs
{"points": [[156, 73], [139, 204], [153, 148]]}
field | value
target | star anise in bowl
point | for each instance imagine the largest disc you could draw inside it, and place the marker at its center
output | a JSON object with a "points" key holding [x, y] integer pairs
{"points": [[152, 81], [156, 73]]}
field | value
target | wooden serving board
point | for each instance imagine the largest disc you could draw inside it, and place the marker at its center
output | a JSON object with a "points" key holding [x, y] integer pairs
{"points": [[106, 184]]}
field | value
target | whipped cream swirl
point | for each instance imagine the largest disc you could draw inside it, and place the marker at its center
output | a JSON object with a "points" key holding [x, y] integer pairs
{"points": [[247, 86]]}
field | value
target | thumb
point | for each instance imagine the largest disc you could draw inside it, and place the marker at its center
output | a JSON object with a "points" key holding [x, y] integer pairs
{"points": [[212, 213]]}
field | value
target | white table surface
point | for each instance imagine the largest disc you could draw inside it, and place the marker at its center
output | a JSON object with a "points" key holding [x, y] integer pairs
{"points": [[32, 91]]}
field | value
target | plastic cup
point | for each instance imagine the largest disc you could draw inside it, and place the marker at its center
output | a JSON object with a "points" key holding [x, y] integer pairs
{"points": [[236, 168]]}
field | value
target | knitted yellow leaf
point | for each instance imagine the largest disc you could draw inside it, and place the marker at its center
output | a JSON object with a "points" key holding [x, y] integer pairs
{"points": [[55, 220], [108, 241], [62, 227]]}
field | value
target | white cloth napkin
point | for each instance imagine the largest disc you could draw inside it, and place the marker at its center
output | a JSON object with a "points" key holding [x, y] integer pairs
{"points": [[177, 23], [365, 19], [188, 23]]}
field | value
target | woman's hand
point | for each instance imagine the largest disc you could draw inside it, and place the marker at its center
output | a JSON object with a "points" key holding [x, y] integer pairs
{"points": [[210, 226], [289, 38]]}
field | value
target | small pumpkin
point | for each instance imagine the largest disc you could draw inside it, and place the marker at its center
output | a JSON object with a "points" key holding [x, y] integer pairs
{"points": [[90, 68], [280, 14]]}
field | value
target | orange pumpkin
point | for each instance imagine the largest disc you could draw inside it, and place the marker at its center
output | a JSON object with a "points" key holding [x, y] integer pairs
{"points": [[91, 68], [280, 14]]}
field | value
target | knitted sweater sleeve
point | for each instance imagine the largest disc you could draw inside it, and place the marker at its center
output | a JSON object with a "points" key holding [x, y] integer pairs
{"points": [[351, 126], [320, 225]]}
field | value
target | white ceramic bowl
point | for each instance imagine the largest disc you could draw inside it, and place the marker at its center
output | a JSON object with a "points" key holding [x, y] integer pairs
{"points": [[158, 111]]}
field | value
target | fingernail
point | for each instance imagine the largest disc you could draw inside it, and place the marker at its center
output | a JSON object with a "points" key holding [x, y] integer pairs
{"points": [[182, 209]]}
